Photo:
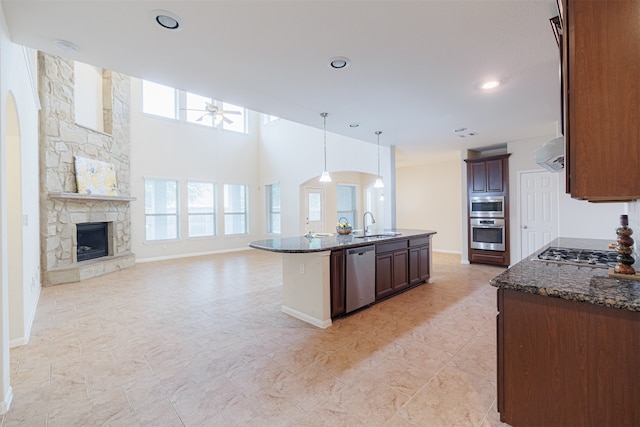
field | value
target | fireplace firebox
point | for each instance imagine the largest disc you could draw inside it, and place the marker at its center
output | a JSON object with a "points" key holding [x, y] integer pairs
{"points": [[93, 242]]}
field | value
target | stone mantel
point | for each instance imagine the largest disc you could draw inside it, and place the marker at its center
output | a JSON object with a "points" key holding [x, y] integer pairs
{"points": [[77, 196]]}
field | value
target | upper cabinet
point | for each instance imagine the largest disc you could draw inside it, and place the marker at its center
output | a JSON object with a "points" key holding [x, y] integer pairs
{"points": [[601, 90], [487, 174]]}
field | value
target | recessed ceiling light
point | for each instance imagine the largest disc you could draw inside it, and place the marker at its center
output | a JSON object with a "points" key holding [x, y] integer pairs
{"points": [[354, 125], [339, 62], [166, 20], [460, 130], [65, 46], [490, 84]]}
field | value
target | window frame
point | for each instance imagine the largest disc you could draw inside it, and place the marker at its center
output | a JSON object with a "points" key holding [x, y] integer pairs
{"points": [[345, 213], [270, 209], [158, 215], [176, 102], [181, 112], [244, 213], [214, 212]]}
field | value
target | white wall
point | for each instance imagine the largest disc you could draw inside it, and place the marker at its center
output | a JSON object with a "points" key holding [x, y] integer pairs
{"points": [[164, 148], [428, 197], [292, 154], [17, 77], [576, 218]]}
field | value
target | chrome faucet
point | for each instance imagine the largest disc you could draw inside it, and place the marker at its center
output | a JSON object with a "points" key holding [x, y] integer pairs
{"points": [[365, 228]]}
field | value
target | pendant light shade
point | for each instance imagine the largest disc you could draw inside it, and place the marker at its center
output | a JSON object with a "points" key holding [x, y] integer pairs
{"points": [[379, 183], [325, 177]]}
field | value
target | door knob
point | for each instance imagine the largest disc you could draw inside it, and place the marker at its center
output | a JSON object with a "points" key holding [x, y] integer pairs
{"points": [[524, 226]]}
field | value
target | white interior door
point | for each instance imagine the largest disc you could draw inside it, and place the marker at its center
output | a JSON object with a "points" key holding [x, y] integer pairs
{"points": [[538, 210], [314, 210]]}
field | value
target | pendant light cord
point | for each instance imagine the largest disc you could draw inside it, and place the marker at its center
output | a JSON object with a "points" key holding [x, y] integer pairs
{"points": [[324, 116], [378, 133]]}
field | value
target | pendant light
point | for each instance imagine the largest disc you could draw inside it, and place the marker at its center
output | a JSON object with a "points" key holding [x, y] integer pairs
{"points": [[379, 183], [325, 174]]}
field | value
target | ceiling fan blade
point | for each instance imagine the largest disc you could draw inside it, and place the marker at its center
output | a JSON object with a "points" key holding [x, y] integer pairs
{"points": [[192, 109], [231, 112], [199, 119], [227, 120]]}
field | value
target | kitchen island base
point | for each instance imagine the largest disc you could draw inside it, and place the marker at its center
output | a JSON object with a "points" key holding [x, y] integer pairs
{"points": [[305, 291]]}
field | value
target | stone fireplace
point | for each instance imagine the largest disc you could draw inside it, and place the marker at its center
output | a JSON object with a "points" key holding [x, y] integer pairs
{"points": [[62, 209]]}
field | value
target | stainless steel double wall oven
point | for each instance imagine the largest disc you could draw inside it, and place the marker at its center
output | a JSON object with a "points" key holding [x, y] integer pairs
{"points": [[487, 223]]}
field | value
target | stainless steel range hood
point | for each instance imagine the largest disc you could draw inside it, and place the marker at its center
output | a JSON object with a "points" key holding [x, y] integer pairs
{"points": [[551, 155]]}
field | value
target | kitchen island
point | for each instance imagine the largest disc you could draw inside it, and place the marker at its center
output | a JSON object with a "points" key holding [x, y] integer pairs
{"points": [[568, 343], [314, 276]]}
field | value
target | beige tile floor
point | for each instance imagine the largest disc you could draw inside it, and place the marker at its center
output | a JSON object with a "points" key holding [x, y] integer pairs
{"points": [[202, 342]]}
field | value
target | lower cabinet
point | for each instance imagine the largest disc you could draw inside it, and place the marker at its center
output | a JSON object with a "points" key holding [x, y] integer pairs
{"points": [[566, 363], [418, 264], [392, 268], [400, 264], [338, 289]]}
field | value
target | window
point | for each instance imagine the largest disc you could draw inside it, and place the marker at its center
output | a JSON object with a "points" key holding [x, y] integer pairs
{"points": [[238, 120], [195, 109], [347, 203], [273, 208], [160, 209], [202, 208], [158, 99], [166, 101], [235, 209], [268, 118]]}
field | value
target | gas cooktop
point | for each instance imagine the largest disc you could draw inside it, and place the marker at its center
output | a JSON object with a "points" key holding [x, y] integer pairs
{"points": [[587, 257]]}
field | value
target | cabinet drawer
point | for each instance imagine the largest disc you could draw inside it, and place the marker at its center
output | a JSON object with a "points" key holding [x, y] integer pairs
{"points": [[391, 246], [419, 241]]}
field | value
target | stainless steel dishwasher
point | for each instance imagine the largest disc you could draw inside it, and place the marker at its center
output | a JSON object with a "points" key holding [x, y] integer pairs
{"points": [[361, 277]]}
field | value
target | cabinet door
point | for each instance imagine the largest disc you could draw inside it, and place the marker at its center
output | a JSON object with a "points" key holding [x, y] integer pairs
{"points": [[478, 177], [337, 284], [603, 100], [400, 270], [424, 263], [414, 265], [495, 177], [384, 275], [419, 264]]}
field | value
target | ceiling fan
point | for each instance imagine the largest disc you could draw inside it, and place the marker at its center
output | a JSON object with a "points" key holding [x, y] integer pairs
{"points": [[216, 113]]}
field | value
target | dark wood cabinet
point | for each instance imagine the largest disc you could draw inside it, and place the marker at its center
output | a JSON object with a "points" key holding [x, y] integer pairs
{"points": [[419, 261], [400, 265], [486, 176], [489, 176], [566, 363], [338, 298], [384, 275], [392, 269], [602, 98]]}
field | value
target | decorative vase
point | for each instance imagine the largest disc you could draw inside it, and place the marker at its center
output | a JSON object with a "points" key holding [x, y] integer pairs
{"points": [[624, 248]]}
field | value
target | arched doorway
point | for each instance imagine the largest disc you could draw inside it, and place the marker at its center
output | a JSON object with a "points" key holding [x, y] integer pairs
{"points": [[13, 200]]}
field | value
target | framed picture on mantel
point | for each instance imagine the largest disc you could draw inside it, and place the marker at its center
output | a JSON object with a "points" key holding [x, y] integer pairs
{"points": [[95, 177]]}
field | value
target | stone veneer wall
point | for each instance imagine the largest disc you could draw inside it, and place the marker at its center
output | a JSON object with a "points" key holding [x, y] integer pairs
{"points": [[60, 140]]}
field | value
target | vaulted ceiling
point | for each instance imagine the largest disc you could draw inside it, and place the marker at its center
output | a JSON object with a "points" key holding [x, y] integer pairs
{"points": [[414, 72]]}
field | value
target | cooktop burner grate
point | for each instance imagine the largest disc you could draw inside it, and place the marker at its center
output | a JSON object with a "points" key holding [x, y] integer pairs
{"points": [[591, 257]]}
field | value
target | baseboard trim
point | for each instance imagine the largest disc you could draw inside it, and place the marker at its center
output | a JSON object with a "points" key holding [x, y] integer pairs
{"points": [[17, 342], [324, 324], [178, 256], [6, 403], [446, 251]]}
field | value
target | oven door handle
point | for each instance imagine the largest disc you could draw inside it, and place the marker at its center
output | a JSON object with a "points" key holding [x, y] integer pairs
{"points": [[487, 226]]}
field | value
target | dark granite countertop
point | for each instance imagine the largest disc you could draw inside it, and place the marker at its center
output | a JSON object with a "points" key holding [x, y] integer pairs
{"points": [[580, 283], [318, 244]]}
